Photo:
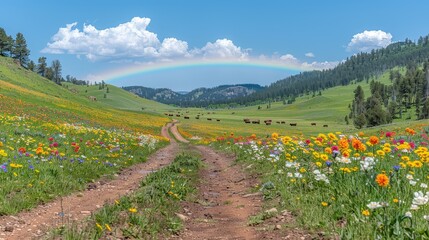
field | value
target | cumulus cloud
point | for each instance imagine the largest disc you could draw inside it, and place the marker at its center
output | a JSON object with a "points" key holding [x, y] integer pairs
{"points": [[368, 40], [133, 40], [289, 59], [309, 55], [221, 48]]}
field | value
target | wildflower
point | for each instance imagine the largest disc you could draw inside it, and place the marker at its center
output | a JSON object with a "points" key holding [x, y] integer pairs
{"points": [[99, 226], [380, 152], [382, 180], [420, 199], [408, 214], [132, 210], [328, 163], [395, 200], [374, 205], [366, 213], [108, 227], [324, 204], [373, 140], [396, 168]]}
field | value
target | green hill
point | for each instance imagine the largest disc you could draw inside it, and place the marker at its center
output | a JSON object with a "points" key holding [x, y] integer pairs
{"points": [[25, 93]]}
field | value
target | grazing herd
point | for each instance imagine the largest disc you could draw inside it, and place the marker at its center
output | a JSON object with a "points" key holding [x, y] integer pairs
{"points": [[246, 120]]}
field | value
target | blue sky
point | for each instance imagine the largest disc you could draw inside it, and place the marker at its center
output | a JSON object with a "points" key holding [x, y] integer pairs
{"points": [[301, 35]]}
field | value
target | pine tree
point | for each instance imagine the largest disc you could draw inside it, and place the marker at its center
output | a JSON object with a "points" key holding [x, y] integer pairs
{"points": [[56, 71], [6, 43], [31, 66], [20, 51], [41, 66]]}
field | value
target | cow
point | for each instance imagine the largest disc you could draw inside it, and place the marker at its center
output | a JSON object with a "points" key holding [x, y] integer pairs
{"points": [[313, 124], [326, 125], [246, 120], [293, 124], [218, 120], [257, 121], [186, 117], [92, 98], [283, 122], [209, 119]]}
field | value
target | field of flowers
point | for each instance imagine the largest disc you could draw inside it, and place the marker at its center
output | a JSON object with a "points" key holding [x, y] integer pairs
{"points": [[354, 186], [41, 160]]}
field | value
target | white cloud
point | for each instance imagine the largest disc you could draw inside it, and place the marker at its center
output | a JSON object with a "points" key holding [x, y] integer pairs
{"points": [[133, 40], [309, 55], [368, 40], [221, 48], [289, 59]]}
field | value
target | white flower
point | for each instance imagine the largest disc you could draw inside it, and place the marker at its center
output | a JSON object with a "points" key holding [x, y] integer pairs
{"points": [[298, 175], [423, 185], [343, 160], [373, 205], [414, 207], [420, 198], [426, 217], [413, 183], [289, 174], [408, 214], [410, 177]]}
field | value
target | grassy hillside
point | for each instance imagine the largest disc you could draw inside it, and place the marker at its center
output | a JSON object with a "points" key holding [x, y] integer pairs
{"points": [[24, 93], [118, 98], [328, 109]]}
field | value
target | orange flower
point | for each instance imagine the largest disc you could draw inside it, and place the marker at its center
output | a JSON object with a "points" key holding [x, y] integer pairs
{"points": [[343, 143], [382, 180], [373, 140], [39, 150]]}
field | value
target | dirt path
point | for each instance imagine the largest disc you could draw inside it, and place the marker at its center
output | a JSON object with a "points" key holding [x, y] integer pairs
{"points": [[176, 133], [34, 223], [224, 204]]}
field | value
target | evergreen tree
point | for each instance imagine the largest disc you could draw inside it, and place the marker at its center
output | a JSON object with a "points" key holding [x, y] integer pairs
{"points": [[41, 66], [6, 43], [56, 71], [20, 51], [49, 74], [31, 66]]}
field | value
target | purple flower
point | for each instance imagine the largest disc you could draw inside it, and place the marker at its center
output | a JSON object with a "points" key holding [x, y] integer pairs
{"points": [[328, 163], [396, 168]]}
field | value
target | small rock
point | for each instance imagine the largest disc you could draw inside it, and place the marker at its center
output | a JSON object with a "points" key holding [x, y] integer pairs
{"points": [[182, 217], [252, 194], [8, 229], [278, 227], [91, 186], [272, 211], [85, 212], [79, 195]]}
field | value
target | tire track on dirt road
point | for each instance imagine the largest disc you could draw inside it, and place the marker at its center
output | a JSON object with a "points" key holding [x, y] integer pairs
{"points": [[34, 223]]}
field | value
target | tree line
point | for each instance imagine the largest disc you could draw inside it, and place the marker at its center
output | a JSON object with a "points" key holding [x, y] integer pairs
{"points": [[360, 67], [408, 97], [18, 50]]}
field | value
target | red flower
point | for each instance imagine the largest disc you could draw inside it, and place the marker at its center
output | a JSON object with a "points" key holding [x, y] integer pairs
{"points": [[51, 139]]}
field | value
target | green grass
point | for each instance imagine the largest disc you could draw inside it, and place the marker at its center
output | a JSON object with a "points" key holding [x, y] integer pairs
{"points": [[328, 109], [118, 98], [26, 93], [147, 213], [340, 207]]}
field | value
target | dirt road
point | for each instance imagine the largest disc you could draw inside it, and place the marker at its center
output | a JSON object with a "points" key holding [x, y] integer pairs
{"points": [[34, 223]]}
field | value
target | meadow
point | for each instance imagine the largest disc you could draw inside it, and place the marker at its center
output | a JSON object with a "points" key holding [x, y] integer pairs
{"points": [[358, 186]]}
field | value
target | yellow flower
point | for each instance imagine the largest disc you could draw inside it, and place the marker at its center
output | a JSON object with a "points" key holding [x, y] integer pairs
{"points": [[324, 157], [366, 213], [108, 227], [319, 164], [395, 200], [132, 210], [99, 226], [380, 152], [324, 204], [302, 170]]}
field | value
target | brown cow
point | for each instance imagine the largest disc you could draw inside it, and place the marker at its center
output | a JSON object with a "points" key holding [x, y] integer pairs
{"points": [[313, 124], [293, 124]]}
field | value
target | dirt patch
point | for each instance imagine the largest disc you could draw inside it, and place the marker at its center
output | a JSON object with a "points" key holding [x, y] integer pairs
{"points": [[34, 223], [224, 204]]}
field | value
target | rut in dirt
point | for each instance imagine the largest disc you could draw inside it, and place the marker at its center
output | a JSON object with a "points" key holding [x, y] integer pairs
{"points": [[35, 223], [224, 204]]}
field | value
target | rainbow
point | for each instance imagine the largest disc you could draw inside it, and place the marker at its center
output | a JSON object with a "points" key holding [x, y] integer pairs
{"points": [[137, 69]]}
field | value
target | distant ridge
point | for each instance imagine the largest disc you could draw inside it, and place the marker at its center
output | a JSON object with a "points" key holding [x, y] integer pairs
{"points": [[199, 97]]}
